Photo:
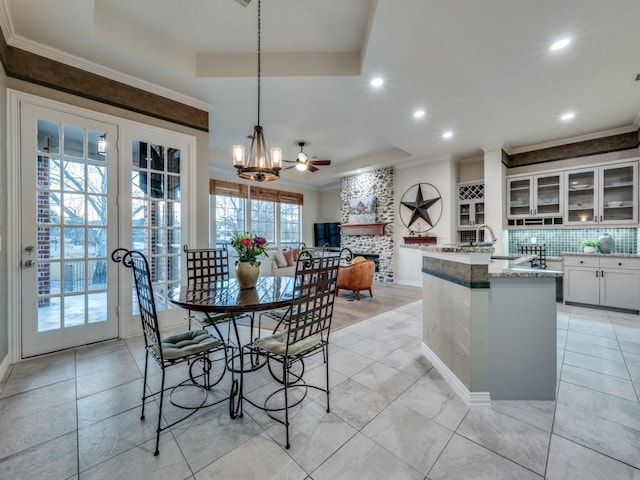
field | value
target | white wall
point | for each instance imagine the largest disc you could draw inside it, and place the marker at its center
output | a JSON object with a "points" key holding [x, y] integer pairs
{"points": [[330, 205], [443, 176]]}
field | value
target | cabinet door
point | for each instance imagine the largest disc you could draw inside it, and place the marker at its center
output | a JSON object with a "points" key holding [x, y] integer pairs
{"points": [[619, 288], [619, 193], [519, 191], [581, 199], [464, 214], [478, 213], [581, 285], [547, 195]]}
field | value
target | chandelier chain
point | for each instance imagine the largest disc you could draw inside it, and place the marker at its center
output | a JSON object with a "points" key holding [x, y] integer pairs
{"points": [[259, 23]]}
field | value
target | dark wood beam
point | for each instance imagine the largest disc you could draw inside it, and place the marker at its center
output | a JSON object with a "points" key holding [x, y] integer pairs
{"points": [[613, 143], [37, 69]]}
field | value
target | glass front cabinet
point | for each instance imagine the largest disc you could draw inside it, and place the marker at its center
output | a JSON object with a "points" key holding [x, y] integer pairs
{"points": [[470, 204], [534, 196], [602, 195]]}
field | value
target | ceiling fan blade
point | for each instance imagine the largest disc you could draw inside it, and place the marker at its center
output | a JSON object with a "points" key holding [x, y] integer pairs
{"points": [[290, 161], [311, 168], [319, 162]]}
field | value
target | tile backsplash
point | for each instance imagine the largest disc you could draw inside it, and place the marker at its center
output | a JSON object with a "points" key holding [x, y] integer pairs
{"points": [[558, 241]]}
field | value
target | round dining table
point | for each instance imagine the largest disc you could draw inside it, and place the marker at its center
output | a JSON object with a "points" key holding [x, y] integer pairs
{"points": [[226, 297]]}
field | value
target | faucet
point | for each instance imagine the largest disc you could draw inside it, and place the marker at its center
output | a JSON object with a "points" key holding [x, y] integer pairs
{"points": [[484, 225]]}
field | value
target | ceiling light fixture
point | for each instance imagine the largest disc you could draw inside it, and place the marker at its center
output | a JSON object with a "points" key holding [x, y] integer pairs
{"points": [[567, 116], [377, 82], [447, 134], [560, 44], [262, 167], [419, 113]]}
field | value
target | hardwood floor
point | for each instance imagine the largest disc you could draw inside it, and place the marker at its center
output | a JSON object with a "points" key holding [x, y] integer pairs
{"points": [[386, 296]]}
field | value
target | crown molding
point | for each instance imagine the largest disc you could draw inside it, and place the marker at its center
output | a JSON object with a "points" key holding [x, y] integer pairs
{"points": [[17, 41], [636, 122]]}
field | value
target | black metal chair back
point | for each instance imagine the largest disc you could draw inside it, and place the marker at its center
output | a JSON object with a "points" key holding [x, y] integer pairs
{"points": [[144, 289], [313, 297], [207, 265]]}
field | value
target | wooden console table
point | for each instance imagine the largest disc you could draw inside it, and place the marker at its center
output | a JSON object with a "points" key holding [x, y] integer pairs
{"points": [[363, 228]]}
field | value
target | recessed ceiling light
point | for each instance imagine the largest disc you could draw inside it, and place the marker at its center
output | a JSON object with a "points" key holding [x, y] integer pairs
{"points": [[567, 116], [419, 113], [377, 82], [447, 134], [560, 44]]}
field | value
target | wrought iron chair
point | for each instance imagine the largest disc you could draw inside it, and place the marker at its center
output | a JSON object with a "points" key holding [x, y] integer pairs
{"points": [[193, 347], [205, 266], [306, 332]]}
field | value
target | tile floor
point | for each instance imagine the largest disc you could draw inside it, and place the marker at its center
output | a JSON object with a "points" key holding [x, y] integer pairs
{"points": [[76, 415]]}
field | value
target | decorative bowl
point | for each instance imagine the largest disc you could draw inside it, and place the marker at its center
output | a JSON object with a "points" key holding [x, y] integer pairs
{"points": [[616, 203]]}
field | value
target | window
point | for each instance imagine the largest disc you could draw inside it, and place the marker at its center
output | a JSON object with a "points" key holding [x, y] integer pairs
{"points": [[230, 217], [263, 219], [289, 225], [273, 214]]}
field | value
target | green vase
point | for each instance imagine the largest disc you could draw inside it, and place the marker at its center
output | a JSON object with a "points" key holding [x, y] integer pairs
{"points": [[247, 274]]}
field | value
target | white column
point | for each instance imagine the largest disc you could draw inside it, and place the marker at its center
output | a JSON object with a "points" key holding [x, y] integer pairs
{"points": [[495, 194]]}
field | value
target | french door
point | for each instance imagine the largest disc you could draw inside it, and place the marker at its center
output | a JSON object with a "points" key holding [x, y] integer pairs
{"points": [[87, 187], [69, 223]]}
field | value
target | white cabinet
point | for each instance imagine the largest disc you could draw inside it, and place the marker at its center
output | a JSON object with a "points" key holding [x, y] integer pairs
{"points": [[602, 195], [535, 196], [470, 204], [604, 281]]}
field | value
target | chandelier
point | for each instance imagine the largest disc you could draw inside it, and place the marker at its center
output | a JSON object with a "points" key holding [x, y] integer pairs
{"points": [[261, 167]]}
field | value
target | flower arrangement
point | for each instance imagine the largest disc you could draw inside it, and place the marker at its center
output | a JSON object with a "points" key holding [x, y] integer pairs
{"points": [[248, 246]]}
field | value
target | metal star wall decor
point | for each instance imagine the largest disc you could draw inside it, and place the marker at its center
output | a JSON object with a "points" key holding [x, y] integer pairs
{"points": [[421, 206]]}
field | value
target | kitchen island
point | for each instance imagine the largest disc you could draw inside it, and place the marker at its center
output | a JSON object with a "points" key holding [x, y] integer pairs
{"points": [[489, 325]]}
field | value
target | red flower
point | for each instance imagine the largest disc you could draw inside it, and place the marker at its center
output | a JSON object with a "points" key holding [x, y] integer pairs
{"points": [[260, 241], [246, 241]]}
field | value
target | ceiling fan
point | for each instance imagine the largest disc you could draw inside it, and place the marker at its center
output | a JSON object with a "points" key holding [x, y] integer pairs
{"points": [[303, 162]]}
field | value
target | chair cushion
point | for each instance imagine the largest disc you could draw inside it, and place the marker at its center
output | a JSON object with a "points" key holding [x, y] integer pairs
{"points": [[187, 343], [277, 344], [358, 260], [288, 255]]}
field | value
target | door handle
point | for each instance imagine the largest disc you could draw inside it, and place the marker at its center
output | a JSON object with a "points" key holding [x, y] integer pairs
{"points": [[29, 249], [29, 264]]}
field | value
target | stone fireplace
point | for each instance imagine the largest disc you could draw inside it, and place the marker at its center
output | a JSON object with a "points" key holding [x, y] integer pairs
{"points": [[380, 184]]}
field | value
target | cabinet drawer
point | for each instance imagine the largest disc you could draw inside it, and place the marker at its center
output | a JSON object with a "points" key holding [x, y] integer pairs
{"points": [[620, 262], [573, 261]]}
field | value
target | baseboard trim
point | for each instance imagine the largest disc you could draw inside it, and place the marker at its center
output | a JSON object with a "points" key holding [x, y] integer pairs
{"points": [[473, 400], [4, 369]]}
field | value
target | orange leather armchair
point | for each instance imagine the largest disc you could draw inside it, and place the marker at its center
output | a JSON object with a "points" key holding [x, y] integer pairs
{"points": [[357, 276]]}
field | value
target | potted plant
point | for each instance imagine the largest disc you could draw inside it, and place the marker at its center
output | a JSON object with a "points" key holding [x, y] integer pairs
{"points": [[249, 248], [589, 246]]}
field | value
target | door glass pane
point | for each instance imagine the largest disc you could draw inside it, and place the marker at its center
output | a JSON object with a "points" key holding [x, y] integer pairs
{"points": [[97, 145], [74, 243], [74, 310], [156, 206], [95, 307], [74, 139], [48, 137], [69, 201]]}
